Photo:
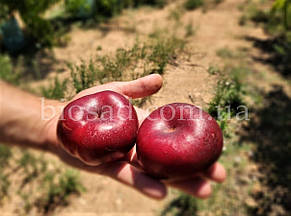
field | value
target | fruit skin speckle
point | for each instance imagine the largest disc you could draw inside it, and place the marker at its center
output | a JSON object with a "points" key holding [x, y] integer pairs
{"points": [[178, 141]]}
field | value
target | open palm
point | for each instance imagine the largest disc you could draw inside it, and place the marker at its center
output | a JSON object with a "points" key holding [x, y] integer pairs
{"points": [[126, 169]]}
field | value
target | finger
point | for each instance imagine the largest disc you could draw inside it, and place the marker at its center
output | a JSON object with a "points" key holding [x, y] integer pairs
{"points": [[132, 158], [216, 173], [142, 87], [114, 156], [131, 176], [197, 187]]}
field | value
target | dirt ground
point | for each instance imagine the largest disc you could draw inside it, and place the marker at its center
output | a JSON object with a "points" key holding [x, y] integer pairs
{"points": [[186, 81]]}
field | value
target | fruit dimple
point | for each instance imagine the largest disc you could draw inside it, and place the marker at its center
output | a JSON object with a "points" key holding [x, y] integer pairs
{"points": [[170, 130]]}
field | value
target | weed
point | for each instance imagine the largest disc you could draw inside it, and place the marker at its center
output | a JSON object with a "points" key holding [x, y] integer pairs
{"points": [[276, 22], [163, 52], [83, 75], [212, 70], [57, 190], [218, 1], [5, 155], [228, 96], [56, 90], [189, 30], [183, 205], [225, 53], [175, 14], [7, 73], [193, 4], [242, 20], [4, 185], [153, 56]]}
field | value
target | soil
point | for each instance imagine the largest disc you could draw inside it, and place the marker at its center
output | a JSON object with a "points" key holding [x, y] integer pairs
{"points": [[186, 81]]}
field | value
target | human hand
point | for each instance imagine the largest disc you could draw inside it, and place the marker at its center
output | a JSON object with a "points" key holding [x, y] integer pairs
{"points": [[126, 169]]}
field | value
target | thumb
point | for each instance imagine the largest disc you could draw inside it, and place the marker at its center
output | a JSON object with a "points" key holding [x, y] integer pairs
{"points": [[142, 87]]}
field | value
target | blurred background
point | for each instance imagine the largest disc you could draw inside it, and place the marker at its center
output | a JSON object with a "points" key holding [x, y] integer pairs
{"points": [[210, 53]]}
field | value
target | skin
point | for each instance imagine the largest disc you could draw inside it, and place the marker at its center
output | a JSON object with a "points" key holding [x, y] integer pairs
{"points": [[23, 124]]}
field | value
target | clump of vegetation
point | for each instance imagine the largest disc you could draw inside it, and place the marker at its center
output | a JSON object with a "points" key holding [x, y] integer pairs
{"points": [[56, 189], [79, 8], [228, 97], [182, 205], [189, 30], [46, 32], [228, 94], [140, 60], [30, 11], [225, 53], [7, 73], [56, 90], [193, 4], [5, 155], [40, 188], [212, 70], [205, 4], [276, 22]]}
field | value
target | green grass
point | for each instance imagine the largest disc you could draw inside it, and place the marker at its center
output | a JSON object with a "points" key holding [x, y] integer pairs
{"points": [[229, 96], [7, 72], [56, 90], [225, 53], [275, 20], [229, 92], [56, 189], [44, 185], [5, 155], [213, 70], [193, 4], [183, 205], [151, 57], [190, 30]]}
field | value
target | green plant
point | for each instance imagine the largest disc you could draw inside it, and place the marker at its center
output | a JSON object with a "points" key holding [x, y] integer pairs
{"points": [[153, 56], [193, 4], [6, 72], [225, 53], [183, 205], [212, 70], [228, 97], [57, 188], [56, 90], [30, 11], [190, 31], [5, 154], [163, 52], [84, 75], [285, 7], [4, 185], [275, 21], [108, 8], [175, 14], [79, 8]]}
